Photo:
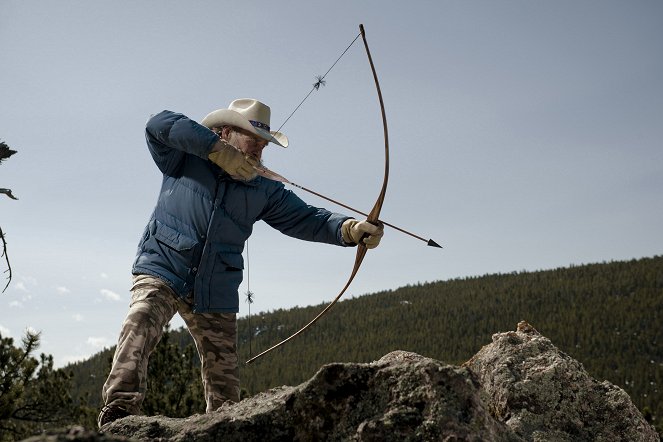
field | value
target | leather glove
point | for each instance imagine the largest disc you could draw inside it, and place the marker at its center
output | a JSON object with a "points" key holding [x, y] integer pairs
{"points": [[234, 161], [353, 231]]}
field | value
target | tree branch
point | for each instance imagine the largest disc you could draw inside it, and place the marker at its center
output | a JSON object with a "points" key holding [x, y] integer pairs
{"points": [[5, 151], [8, 192], [4, 253]]}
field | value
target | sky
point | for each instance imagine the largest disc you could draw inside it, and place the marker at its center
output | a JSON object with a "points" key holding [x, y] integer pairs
{"points": [[523, 136]]}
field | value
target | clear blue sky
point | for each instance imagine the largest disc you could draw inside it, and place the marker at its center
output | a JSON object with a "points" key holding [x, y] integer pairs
{"points": [[524, 135]]}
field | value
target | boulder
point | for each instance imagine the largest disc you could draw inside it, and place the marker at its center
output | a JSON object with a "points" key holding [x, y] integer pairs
{"points": [[403, 396], [543, 394]]}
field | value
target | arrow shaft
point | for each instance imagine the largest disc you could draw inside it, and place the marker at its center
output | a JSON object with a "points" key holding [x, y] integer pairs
{"points": [[270, 174], [357, 211]]}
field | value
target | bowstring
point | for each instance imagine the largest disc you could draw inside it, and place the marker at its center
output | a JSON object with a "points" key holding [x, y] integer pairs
{"points": [[249, 296], [318, 83], [316, 86]]}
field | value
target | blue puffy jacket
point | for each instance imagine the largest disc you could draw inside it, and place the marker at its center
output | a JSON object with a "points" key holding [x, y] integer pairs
{"points": [[196, 234]]}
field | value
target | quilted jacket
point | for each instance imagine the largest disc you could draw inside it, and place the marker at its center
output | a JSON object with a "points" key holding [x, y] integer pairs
{"points": [[196, 234]]}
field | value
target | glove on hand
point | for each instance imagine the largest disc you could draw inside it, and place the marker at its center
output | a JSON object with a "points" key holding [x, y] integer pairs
{"points": [[234, 161], [353, 230]]}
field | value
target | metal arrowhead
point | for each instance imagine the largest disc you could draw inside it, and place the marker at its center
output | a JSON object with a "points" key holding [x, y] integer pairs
{"points": [[433, 244]]}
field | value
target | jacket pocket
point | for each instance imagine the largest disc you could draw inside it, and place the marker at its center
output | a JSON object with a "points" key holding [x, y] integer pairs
{"points": [[172, 238], [170, 254], [226, 277]]}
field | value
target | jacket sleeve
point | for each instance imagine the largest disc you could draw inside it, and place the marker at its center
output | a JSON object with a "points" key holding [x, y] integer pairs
{"points": [[170, 136], [292, 216]]}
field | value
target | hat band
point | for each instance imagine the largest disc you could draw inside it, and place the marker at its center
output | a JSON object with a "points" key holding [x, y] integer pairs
{"points": [[259, 125]]}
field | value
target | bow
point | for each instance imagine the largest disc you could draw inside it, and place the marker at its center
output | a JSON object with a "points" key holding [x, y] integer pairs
{"points": [[373, 215]]}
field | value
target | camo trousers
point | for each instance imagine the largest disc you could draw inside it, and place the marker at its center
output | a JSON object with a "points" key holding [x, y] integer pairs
{"points": [[153, 304]]}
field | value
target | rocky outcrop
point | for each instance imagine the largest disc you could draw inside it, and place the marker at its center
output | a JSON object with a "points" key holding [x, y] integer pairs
{"points": [[542, 394], [403, 396], [518, 388]]}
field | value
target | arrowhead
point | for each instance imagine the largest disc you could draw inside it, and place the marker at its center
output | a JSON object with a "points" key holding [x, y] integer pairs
{"points": [[433, 244]]}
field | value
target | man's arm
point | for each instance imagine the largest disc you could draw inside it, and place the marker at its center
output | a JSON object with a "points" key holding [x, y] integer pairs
{"points": [[290, 215], [170, 136]]}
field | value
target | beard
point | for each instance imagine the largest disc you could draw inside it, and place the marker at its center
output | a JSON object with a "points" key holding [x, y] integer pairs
{"points": [[239, 142], [236, 141]]}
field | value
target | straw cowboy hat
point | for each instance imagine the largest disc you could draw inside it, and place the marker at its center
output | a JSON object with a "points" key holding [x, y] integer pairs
{"points": [[248, 114]]}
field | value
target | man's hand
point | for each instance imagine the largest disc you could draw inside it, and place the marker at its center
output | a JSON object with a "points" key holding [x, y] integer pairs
{"points": [[353, 230], [234, 161]]}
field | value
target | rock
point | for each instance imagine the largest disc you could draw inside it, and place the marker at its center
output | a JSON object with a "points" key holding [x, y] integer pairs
{"points": [[76, 433], [403, 396], [518, 388], [542, 394]]}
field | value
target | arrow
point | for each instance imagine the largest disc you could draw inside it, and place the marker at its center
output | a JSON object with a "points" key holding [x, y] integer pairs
{"points": [[271, 175]]}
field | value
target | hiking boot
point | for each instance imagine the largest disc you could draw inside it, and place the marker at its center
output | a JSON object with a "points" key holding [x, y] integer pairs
{"points": [[111, 413]]}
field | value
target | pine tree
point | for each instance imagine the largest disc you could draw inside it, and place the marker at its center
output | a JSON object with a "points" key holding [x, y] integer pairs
{"points": [[33, 396]]}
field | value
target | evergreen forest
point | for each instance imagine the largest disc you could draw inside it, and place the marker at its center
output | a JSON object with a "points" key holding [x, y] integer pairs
{"points": [[607, 315]]}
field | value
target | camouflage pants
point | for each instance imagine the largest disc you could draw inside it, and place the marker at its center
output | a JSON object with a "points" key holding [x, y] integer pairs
{"points": [[153, 304]]}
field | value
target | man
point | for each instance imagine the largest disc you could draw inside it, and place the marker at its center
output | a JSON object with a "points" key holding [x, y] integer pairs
{"points": [[189, 259]]}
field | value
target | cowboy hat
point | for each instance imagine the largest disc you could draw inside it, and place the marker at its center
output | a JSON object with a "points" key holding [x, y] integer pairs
{"points": [[248, 114]]}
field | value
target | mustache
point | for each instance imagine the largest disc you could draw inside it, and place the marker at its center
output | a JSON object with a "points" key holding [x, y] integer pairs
{"points": [[258, 161]]}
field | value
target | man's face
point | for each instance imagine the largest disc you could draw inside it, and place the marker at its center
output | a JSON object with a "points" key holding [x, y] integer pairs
{"points": [[247, 142]]}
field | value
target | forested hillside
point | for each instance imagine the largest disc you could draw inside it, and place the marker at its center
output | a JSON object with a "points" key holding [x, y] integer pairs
{"points": [[608, 316]]}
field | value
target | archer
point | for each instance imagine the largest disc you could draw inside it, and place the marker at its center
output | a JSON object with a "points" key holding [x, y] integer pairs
{"points": [[189, 259]]}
